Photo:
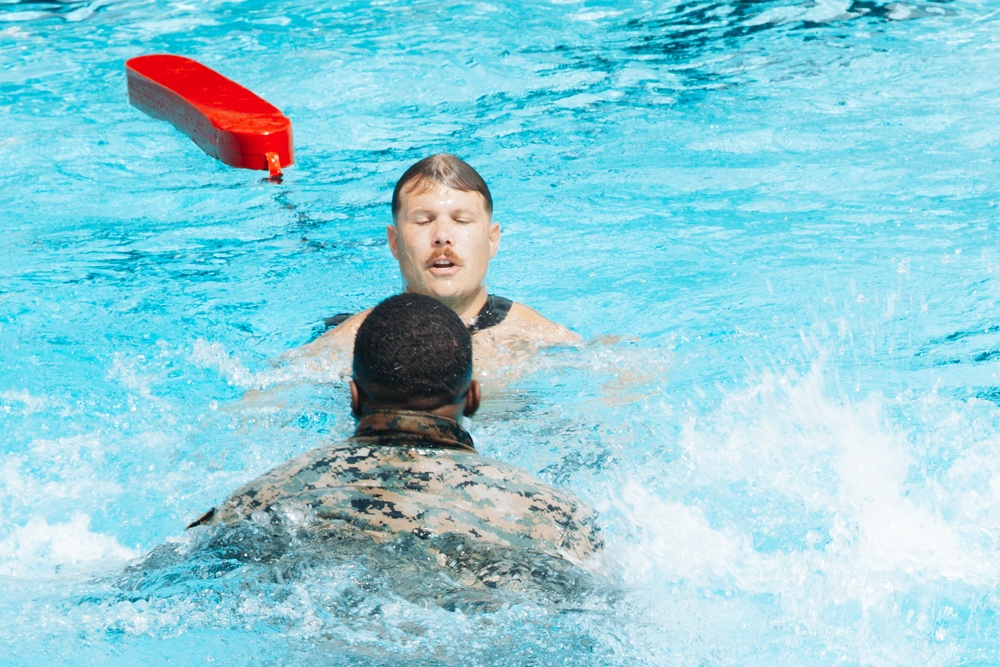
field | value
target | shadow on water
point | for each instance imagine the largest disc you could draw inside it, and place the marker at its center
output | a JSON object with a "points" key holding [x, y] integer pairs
{"points": [[967, 360], [69, 10], [713, 26], [694, 40]]}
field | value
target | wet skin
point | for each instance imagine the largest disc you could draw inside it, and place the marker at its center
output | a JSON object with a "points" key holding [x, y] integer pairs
{"points": [[443, 240]]}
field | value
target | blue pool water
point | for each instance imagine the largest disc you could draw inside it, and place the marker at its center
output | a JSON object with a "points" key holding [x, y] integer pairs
{"points": [[785, 210]]}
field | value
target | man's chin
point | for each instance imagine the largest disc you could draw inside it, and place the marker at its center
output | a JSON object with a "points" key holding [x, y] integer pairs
{"points": [[448, 296], [448, 293]]}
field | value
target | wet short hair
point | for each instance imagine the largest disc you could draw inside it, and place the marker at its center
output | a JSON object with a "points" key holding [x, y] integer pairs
{"points": [[412, 350], [444, 169]]}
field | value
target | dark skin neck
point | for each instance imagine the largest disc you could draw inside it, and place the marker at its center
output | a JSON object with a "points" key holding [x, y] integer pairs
{"points": [[466, 404]]}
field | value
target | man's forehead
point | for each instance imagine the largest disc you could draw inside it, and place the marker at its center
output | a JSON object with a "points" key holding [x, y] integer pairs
{"points": [[421, 186]]}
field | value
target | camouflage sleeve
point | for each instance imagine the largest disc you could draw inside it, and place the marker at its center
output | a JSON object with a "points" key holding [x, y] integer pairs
{"points": [[581, 535]]}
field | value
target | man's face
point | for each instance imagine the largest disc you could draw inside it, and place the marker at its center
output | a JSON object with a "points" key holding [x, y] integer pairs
{"points": [[443, 240]]}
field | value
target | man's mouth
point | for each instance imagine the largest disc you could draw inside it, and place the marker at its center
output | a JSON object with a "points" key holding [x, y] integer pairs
{"points": [[443, 264]]}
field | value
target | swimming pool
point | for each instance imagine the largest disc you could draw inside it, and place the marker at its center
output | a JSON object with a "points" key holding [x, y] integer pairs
{"points": [[787, 211]]}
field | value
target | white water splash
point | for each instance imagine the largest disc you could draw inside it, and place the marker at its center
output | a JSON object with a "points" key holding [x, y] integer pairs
{"points": [[868, 559], [40, 546], [296, 368]]}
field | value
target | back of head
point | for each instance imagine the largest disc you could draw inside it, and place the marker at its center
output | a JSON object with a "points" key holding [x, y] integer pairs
{"points": [[413, 351], [441, 169]]}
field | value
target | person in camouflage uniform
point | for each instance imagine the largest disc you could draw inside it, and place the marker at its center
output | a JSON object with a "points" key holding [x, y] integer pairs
{"points": [[410, 467]]}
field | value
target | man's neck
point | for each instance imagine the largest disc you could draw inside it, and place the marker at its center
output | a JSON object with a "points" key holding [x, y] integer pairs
{"points": [[419, 428], [468, 307], [452, 411]]}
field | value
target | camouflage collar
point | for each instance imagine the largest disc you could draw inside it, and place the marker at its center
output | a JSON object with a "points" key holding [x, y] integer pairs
{"points": [[412, 429]]}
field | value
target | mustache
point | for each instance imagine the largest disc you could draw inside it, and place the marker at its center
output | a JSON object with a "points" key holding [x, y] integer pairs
{"points": [[445, 253]]}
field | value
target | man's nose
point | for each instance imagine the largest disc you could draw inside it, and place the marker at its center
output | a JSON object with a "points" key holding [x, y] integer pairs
{"points": [[442, 233]]}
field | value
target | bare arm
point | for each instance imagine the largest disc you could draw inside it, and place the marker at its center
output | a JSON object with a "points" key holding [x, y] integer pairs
{"points": [[326, 358]]}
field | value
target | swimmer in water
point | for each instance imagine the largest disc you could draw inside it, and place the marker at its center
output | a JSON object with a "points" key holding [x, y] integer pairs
{"points": [[443, 237], [410, 466]]}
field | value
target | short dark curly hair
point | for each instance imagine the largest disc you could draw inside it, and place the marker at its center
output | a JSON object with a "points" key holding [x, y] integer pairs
{"points": [[412, 350]]}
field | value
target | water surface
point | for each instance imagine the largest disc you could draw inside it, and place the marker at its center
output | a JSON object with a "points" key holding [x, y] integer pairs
{"points": [[784, 210]]}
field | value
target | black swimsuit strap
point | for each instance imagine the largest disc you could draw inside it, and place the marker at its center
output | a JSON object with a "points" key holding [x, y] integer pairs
{"points": [[493, 312], [335, 320]]}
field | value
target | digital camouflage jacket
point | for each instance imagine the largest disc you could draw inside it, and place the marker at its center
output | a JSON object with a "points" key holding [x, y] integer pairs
{"points": [[416, 472]]}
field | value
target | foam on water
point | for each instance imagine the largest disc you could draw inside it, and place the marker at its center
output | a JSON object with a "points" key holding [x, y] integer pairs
{"points": [[789, 510], [809, 511], [40, 547]]}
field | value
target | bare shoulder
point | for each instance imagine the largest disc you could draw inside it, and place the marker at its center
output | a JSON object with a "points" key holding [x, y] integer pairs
{"points": [[542, 329], [336, 340]]}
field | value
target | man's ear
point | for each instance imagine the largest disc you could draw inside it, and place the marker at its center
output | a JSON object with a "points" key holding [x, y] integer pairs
{"points": [[472, 396], [357, 399], [392, 234], [494, 238]]}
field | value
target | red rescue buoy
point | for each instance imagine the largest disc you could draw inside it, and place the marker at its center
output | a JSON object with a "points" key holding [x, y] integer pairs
{"points": [[225, 119]]}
